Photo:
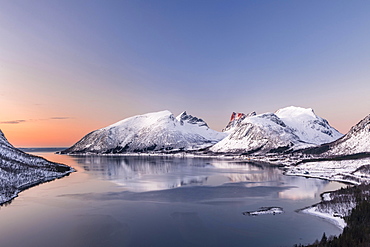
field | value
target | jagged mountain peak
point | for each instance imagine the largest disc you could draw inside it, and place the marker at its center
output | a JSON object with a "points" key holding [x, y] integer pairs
{"points": [[235, 119], [184, 117]]}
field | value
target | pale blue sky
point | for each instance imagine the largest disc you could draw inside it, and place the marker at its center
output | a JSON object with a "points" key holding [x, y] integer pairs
{"points": [[97, 62]]}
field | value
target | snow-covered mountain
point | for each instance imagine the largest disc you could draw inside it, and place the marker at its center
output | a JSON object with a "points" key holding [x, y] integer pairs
{"points": [[19, 170], [357, 140], [307, 125], [290, 128], [157, 132]]}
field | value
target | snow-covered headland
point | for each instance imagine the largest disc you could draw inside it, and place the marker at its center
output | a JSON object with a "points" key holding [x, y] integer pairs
{"points": [[19, 170]]}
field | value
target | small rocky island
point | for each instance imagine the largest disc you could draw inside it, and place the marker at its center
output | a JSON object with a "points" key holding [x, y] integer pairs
{"points": [[265, 210]]}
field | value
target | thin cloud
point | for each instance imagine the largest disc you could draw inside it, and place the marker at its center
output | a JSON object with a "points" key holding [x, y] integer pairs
{"points": [[60, 118], [13, 122], [19, 121]]}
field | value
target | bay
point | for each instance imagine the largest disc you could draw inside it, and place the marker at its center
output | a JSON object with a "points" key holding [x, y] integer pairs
{"points": [[164, 201]]}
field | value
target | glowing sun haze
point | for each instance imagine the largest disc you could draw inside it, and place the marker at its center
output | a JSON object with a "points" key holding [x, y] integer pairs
{"points": [[70, 67]]}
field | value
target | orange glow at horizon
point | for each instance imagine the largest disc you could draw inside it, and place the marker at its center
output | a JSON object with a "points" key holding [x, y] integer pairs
{"points": [[51, 133]]}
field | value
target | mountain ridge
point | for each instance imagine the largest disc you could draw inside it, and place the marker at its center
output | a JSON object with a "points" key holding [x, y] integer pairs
{"points": [[290, 129]]}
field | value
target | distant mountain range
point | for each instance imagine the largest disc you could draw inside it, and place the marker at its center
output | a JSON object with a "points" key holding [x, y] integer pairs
{"points": [[290, 129], [19, 170]]}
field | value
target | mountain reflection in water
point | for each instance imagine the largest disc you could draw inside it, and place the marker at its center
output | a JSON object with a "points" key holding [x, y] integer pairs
{"points": [[151, 173]]}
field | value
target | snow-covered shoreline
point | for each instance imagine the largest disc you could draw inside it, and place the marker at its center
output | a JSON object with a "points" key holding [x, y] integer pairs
{"points": [[336, 220], [355, 171]]}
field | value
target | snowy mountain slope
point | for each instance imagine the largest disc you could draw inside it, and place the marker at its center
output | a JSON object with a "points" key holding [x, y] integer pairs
{"points": [[289, 129], [158, 132], [19, 170], [357, 140]]}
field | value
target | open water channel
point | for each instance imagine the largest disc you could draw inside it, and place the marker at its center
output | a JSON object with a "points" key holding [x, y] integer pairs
{"points": [[164, 201]]}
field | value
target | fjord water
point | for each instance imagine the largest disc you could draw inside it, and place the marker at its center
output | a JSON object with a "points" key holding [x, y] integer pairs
{"points": [[164, 201]]}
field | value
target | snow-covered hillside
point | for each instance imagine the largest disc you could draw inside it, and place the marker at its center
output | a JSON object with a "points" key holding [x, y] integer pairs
{"points": [[290, 128], [19, 170], [357, 140], [155, 132]]}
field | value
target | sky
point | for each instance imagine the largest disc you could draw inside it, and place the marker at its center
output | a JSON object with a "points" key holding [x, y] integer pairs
{"points": [[70, 67]]}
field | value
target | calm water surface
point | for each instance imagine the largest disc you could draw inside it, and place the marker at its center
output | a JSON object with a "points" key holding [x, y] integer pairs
{"points": [[161, 201]]}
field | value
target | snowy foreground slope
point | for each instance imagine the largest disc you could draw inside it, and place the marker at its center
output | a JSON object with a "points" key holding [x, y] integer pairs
{"points": [[19, 170], [152, 132], [290, 128]]}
